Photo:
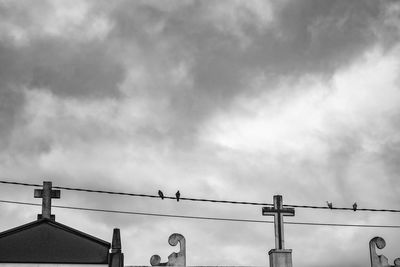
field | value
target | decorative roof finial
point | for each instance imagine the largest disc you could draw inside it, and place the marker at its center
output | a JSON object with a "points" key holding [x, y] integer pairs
{"points": [[46, 194]]}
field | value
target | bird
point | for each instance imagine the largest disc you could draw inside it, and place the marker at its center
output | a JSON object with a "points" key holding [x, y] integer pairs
{"points": [[329, 204], [355, 206], [178, 195], [160, 193]]}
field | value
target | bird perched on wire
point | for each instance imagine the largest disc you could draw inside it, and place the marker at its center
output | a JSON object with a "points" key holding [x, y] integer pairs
{"points": [[160, 193], [329, 204], [178, 195], [355, 206]]}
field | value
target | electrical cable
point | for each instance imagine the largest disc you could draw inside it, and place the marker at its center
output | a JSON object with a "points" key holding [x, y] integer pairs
{"points": [[202, 217], [201, 199]]}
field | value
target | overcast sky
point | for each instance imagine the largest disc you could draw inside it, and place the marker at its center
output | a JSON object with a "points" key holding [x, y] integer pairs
{"points": [[236, 100]]}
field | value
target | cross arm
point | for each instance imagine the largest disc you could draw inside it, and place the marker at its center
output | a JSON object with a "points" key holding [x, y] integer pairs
{"points": [[38, 193], [269, 211]]}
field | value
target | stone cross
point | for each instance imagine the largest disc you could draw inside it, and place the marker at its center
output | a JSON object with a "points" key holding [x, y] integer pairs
{"points": [[46, 194], [278, 212]]}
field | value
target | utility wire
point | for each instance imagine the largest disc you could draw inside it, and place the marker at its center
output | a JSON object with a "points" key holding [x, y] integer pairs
{"points": [[202, 217], [167, 197], [200, 199], [18, 183]]}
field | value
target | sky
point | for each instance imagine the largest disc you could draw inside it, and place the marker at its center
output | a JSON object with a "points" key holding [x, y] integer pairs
{"points": [[237, 100]]}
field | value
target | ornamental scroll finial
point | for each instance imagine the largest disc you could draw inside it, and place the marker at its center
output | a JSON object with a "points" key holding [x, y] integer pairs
{"points": [[380, 260], [175, 259]]}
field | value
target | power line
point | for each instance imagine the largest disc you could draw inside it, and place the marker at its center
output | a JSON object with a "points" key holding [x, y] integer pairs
{"points": [[201, 217], [18, 183], [139, 195], [199, 199], [156, 196]]}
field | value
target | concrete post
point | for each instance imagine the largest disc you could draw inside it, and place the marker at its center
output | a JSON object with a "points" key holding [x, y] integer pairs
{"points": [[280, 258]]}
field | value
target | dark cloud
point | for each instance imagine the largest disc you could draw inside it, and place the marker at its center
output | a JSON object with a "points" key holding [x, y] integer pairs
{"points": [[10, 103], [61, 64], [63, 67], [84, 70], [11, 97], [321, 37], [304, 37]]}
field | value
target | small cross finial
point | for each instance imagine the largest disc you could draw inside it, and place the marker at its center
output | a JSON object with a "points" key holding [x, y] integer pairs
{"points": [[278, 212], [46, 194]]}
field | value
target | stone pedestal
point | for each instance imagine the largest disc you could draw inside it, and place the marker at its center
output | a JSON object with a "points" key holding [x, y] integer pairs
{"points": [[280, 258]]}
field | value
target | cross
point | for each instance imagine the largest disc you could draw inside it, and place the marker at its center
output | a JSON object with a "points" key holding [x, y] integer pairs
{"points": [[278, 212], [46, 194]]}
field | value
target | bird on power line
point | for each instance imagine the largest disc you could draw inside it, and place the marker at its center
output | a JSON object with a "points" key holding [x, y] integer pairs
{"points": [[178, 195], [160, 193], [329, 204], [355, 206]]}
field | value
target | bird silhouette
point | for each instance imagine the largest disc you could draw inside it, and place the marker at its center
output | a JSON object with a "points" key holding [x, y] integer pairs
{"points": [[355, 206], [329, 204], [160, 193], [178, 195]]}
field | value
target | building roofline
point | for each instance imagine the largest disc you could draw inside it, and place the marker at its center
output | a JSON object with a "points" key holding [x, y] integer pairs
{"points": [[55, 224]]}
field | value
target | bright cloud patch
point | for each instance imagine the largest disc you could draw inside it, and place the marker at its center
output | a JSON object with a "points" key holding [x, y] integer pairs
{"points": [[295, 116]]}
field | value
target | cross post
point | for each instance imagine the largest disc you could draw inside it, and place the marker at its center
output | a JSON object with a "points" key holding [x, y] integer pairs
{"points": [[278, 211], [46, 194]]}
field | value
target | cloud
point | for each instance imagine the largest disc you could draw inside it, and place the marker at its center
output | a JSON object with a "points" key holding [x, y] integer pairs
{"points": [[196, 57], [35, 57], [224, 47]]}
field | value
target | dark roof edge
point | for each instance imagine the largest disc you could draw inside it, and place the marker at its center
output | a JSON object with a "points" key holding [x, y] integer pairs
{"points": [[57, 262], [56, 224]]}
